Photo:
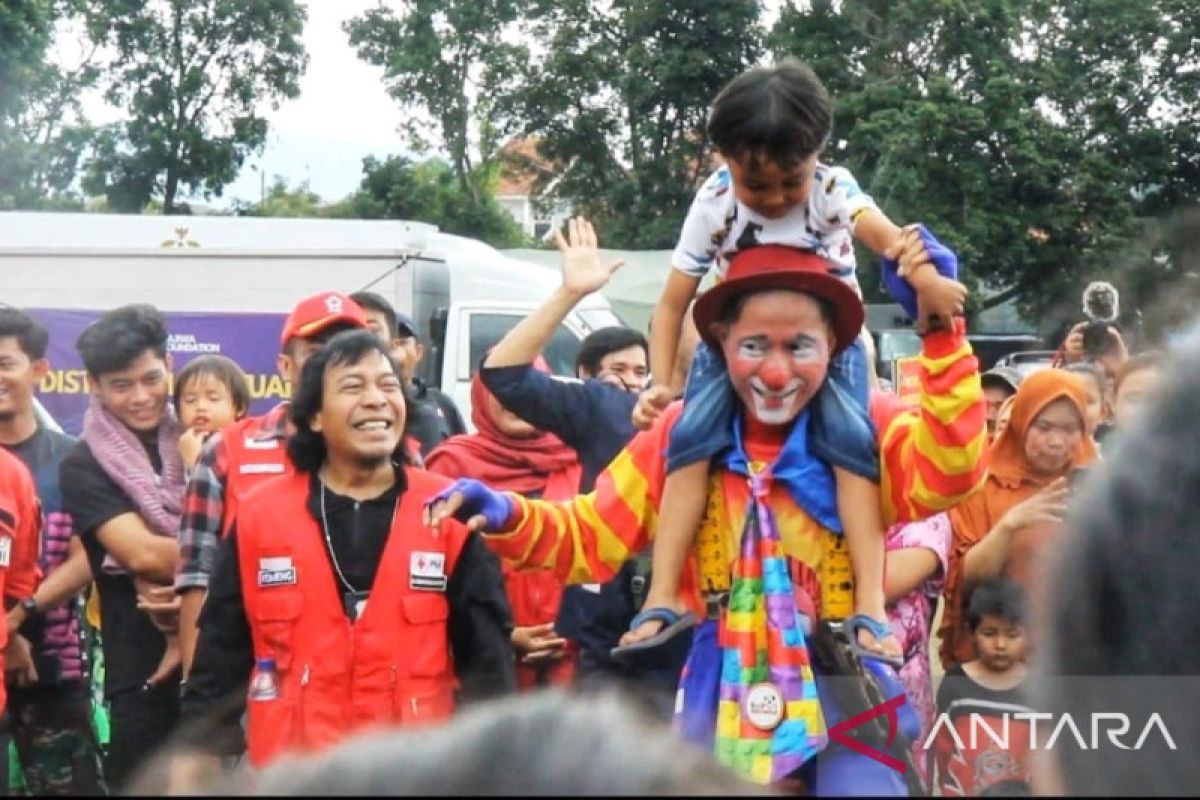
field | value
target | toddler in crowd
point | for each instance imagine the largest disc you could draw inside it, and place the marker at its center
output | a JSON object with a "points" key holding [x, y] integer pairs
{"points": [[770, 125], [211, 392]]}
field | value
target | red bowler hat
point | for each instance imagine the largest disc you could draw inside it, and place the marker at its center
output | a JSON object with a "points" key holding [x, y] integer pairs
{"points": [[769, 267]]}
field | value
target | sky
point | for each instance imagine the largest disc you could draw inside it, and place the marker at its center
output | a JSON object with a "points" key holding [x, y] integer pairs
{"points": [[342, 115]]}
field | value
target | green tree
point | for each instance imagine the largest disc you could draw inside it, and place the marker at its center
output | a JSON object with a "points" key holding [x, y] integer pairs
{"points": [[281, 200], [1022, 131], [194, 77], [620, 97], [446, 61], [42, 133], [430, 191]]}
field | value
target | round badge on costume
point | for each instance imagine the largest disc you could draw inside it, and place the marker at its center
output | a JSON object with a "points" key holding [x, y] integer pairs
{"points": [[764, 706]]}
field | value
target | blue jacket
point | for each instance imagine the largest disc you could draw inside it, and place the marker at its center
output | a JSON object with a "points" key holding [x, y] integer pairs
{"points": [[595, 420]]}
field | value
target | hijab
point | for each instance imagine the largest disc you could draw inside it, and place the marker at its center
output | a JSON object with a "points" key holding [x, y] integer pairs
{"points": [[540, 465]]}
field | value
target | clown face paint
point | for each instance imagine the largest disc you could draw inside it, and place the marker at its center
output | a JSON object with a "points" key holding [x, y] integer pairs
{"points": [[777, 354]]}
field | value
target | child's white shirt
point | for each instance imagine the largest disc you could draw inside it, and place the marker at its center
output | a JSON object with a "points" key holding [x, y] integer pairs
{"points": [[718, 226]]}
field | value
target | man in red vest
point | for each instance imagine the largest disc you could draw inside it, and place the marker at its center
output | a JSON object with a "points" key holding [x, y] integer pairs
{"points": [[20, 540], [330, 598], [246, 454]]}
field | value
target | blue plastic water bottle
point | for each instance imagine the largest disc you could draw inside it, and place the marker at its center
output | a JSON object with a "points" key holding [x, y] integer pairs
{"points": [[264, 685]]}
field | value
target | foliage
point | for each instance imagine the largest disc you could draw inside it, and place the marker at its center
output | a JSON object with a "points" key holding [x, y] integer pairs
{"points": [[1032, 135], [430, 191], [194, 77], [42, 134], [620, 98], [445, 60]]}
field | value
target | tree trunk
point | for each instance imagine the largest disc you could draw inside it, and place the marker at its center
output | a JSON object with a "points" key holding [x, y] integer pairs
{"points": [[172, 186]]}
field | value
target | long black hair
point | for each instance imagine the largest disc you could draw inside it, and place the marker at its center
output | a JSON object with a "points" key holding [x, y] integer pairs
{"points": [[306, 447]]}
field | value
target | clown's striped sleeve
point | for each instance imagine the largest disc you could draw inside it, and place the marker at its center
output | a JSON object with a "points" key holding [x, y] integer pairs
{"points": [[588, 538], [934, 455]]}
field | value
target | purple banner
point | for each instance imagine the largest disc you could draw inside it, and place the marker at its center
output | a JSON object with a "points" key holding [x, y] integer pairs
{"points": [[252, 340]]}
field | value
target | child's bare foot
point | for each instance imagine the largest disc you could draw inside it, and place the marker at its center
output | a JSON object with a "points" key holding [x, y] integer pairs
{"points": [[172, 660]]}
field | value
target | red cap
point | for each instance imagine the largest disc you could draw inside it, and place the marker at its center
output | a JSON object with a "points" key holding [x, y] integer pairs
{"points": [[316, 313], [771, 266]]}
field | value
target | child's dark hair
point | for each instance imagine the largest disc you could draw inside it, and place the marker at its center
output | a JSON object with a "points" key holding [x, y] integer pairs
{"points": [[116, 340], [999, 598], [781, 112], [224, 370]]}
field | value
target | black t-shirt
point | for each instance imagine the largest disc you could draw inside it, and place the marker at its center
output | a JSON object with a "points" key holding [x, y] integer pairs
{"points": [[132, 645]]}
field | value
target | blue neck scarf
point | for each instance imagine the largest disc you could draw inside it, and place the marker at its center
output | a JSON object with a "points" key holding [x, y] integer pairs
{"points": [[808, 479]]}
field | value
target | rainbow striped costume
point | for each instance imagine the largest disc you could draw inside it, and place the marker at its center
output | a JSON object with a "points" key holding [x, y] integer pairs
{"points": [[764, 544]]}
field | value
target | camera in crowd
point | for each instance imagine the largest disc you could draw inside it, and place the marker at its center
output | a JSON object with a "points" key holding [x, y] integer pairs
{"points": [[1101, 306]]}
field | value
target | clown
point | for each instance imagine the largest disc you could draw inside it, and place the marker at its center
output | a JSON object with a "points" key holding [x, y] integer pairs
{"points": [[770, 561]]}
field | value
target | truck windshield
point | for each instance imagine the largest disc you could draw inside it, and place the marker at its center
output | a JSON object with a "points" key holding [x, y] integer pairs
{"points": [[487, 329]]}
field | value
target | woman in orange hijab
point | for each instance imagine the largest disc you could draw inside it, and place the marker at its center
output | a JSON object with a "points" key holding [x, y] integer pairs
{"points": [[1004, 529]]}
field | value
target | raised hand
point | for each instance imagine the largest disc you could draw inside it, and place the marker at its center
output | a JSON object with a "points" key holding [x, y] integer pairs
{"points": [[582, 271]]}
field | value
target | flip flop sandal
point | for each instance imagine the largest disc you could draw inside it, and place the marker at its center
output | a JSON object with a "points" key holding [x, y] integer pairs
{"points": [[673, 625], [880, 630]]}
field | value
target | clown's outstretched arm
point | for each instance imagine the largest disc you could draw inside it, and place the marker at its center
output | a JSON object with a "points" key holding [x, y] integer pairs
{"points": [[933, 453], [585, 539]]}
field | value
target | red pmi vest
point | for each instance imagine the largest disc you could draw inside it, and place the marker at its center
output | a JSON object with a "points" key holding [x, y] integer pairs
{"points": [[391, 667], [251, 462]]}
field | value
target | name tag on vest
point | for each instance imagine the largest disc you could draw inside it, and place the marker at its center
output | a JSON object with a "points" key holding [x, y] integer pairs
{"points": [[276, 571], [261, 469], [260, 444], [5, 550], [427, 570]]}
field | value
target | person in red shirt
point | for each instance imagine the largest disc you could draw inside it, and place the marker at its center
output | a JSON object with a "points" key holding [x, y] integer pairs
{"points": [[20, 534]]}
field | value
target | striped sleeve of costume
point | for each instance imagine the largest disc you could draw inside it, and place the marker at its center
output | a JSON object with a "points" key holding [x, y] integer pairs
{"points": [[586, 539], [934, 455]]}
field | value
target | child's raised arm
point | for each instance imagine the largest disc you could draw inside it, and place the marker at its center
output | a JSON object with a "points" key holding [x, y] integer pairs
{"points": [[873, 228], [667, 323]]}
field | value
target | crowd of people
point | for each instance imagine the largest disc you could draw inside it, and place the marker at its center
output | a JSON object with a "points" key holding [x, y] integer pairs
{"points": [[729, 524]]}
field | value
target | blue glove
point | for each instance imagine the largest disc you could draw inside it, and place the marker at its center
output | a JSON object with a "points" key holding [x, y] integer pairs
{"points": [[944, 260], [496, 507]]}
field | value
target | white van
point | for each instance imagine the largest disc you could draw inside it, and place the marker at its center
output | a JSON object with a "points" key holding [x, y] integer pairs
{"points": [[463, 294]]}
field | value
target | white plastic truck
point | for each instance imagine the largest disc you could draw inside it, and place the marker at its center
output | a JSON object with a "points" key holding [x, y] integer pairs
{"points": [[463, 294]]}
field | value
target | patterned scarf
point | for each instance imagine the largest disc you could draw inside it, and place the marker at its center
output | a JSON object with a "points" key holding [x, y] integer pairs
{"points": [[158, 499], [765, 664]]}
